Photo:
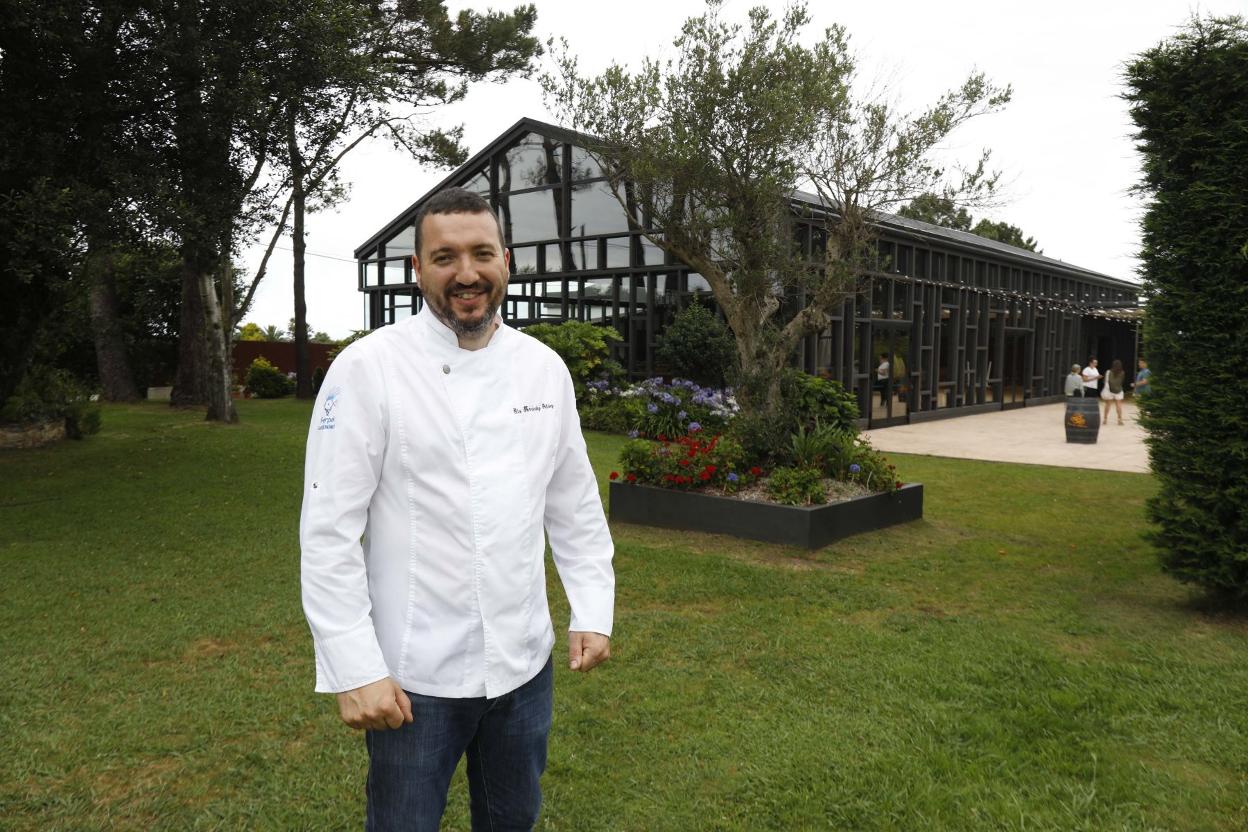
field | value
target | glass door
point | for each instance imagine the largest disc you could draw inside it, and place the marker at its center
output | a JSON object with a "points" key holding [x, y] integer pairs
{"points": [[890, 375]]}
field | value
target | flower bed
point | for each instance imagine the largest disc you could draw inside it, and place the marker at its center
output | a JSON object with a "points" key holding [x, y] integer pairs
{"points": [[807, 526]]}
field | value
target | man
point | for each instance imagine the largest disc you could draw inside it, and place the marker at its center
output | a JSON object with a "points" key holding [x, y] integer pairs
{"points": [[1143, 378], [881, 379], [1091, 378], [448, 442]]}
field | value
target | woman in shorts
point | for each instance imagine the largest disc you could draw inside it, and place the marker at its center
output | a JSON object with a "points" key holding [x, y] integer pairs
{"points": [[1115, 383]]}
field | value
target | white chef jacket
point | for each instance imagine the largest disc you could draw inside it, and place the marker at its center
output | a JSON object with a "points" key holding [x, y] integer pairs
{"points": [[447, 463]]}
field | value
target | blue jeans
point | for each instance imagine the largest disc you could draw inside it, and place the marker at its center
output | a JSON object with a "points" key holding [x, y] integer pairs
{"points": [[410, 768]]}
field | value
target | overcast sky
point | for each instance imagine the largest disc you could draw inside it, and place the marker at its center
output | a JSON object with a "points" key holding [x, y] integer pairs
{"points": [[1063, 143]]}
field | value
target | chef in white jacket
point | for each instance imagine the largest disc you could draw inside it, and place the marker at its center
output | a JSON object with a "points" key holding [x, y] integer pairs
{"points": [[440, 449]]}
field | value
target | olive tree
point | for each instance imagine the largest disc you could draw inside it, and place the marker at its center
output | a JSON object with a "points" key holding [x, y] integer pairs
{"points": [[704, 150]]}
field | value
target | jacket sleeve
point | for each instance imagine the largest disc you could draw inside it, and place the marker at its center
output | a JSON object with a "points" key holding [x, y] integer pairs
{"points": [[346, 445], [579, 538]]}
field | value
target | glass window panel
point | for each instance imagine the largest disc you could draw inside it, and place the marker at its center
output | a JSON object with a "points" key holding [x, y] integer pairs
{"points": [[372, 274], [554, 258], [596, 211], [401, 312], [479, 184], [524, 260], [598, 287], [534, 160], [402, 244], [617, 252], [651, 255], [583, 165], [697, 283], [532, 216], [879, 299], [584, 254]]}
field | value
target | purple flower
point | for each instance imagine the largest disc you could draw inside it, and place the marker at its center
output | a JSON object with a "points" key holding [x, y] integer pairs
{"points": [[733, 477], [632, 434], [652, 408], [681, 415], [694, 427], [855, 468]]}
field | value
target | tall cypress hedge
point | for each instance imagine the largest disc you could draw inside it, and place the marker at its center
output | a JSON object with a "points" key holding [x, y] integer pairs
{"points": [[1189, 102]]}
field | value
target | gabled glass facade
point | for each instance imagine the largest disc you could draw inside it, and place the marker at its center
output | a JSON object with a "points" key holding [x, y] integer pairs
{"points": [[950, 323]]}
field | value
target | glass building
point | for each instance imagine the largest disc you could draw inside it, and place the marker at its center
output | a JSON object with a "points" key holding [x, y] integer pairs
{"points": [[964, 324]]}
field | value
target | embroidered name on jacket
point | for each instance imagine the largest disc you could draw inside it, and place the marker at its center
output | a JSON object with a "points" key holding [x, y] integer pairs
{"points": [[532, 408]]}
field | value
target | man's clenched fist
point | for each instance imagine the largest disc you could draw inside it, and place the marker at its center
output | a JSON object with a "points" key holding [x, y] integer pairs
{"points": [[378, 705], [585, 650]]}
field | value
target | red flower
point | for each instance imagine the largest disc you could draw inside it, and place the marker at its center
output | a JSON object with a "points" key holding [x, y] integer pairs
{"points": [[683, 463], [615, 475], [710, 469], [706, 475], [662, 438], [900, 483], [631, 478], [755, 471]]}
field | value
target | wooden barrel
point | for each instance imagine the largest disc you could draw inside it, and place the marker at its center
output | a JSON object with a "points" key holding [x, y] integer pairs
{"points": [[1083, 419]]}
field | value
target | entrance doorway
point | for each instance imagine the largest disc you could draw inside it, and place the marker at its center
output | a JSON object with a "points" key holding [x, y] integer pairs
{"points": [[890, 375], [1014, 384]]}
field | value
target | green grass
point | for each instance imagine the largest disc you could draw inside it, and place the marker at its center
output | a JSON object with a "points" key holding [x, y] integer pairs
{"points": [[1014, 661]]}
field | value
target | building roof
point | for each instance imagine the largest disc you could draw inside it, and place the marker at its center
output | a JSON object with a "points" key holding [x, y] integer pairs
{"points": [[896, 225]]}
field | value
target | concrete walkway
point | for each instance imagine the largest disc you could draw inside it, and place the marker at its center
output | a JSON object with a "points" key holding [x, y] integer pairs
{"points": [[1035, 435]]}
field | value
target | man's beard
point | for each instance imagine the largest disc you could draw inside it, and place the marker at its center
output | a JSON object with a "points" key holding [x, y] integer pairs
{"points": [[467, 329]]}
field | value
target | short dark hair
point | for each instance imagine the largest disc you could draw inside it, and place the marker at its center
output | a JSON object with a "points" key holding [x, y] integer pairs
{"points": [[456, 201]]}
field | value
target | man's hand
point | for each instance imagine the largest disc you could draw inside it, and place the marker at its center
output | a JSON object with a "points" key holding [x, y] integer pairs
{"points": [[379, 705], [587, 650]]}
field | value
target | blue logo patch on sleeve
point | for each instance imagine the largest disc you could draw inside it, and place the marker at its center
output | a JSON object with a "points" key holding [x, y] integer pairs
{"points": [[328, 406]]}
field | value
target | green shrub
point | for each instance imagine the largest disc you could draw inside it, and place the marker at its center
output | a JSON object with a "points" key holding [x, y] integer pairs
{"points": [[584, 347], [824, 447], [797, 486], [318, 378], [266, 381], [807, 403], [1189, 100], [45, 394], [811, 400], [612, 414], [697, 346], [871, 468]]}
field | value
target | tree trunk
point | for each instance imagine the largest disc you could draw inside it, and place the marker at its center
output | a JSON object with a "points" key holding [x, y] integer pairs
{"points": [[217, 343], [303, 372], [111, 357], [190, 385]]}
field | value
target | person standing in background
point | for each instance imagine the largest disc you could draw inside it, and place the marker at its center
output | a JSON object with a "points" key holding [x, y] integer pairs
{"points": [[1091, 378], [1143, 378], [1115, 385]]}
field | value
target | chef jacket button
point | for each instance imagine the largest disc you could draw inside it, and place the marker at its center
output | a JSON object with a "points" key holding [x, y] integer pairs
{"points": [[446, 369]]}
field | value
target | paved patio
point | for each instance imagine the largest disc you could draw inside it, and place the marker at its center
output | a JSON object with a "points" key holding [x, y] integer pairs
{"points": [[1035, 435]]}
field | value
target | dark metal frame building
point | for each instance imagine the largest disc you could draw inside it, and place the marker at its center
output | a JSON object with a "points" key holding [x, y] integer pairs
{"points": [[966, 324]]}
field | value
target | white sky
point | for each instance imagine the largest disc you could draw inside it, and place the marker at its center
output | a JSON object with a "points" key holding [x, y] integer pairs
{"points": [[1063, 142]]}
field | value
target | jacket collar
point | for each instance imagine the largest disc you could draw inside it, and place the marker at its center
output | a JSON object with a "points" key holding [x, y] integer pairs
{"points": [[447, 336]]}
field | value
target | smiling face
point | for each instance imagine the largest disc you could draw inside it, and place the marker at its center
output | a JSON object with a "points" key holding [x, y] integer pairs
{"points": [[462, 271]]}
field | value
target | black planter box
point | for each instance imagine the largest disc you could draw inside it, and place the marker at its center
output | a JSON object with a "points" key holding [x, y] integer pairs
{"points": [[808, 526]]}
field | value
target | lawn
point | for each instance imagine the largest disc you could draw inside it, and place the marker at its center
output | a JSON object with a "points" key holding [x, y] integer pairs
{"points": [[1014, 661]]}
